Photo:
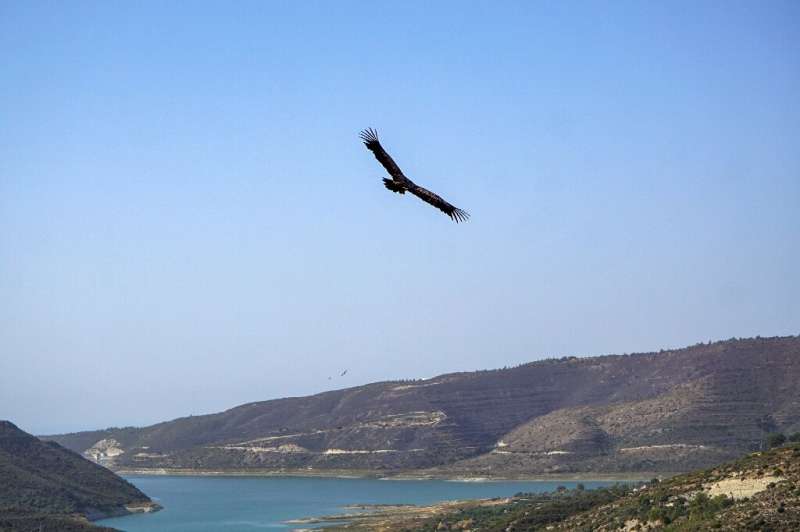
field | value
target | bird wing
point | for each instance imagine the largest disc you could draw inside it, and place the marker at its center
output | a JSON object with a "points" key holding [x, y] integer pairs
{"points": [[437, 201], [370, 138]]}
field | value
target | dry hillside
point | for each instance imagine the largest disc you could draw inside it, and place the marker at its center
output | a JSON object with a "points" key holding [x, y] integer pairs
{"points": [[668, 411]]}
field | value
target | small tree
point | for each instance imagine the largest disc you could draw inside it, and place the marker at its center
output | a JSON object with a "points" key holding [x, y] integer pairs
{"points": [[795, 437], [775, 439]]}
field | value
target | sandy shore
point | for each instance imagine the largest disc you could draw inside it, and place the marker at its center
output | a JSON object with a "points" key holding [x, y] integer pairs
{"points": [[388, 517], [401, 475]]}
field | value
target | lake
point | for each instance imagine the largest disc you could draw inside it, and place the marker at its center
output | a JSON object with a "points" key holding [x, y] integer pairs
{"points": [[233, 504]]}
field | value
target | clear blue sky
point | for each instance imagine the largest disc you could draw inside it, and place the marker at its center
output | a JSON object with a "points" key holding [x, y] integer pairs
{"points": [[188, 220]]}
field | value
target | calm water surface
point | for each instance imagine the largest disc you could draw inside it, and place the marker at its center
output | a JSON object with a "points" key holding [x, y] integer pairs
{"points": [[232, 504]]}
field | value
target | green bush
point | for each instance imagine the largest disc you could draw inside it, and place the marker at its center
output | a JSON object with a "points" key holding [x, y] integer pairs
{"points": [[775, 439]]}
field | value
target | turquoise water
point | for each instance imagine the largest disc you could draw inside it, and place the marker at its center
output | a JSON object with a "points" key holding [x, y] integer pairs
{"points": [[233, 504]]}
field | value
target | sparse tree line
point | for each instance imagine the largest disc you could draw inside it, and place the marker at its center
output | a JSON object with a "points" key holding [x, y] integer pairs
{"points": [[777, 439]]}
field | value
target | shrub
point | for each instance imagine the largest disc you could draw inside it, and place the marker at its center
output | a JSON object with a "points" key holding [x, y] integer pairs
{"points": [[775, 439]]}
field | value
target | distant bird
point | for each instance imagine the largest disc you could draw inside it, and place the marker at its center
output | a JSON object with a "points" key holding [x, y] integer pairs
{"points": [[400, 183], [343, 373]]}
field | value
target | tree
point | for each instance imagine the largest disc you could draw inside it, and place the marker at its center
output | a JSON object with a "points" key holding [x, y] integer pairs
{"points": [[795, 437], [775, 439]]}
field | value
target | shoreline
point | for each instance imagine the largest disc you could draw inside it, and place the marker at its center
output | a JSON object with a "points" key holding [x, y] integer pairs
{"points": [[401, 475]]}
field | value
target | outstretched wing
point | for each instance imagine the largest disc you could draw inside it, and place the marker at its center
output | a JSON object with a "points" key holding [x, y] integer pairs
{"points": [[370, 138], [434, 199]]}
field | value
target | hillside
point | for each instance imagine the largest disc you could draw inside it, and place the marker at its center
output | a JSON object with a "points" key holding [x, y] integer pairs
{"points": [[669, 411], [45, 485], [758, 492]]}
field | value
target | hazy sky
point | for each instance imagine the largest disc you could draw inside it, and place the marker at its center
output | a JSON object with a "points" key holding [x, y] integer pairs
{"points": [[188, 220]]}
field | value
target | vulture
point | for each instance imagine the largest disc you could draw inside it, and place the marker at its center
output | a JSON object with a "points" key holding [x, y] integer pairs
{"points": [[400, 183]]}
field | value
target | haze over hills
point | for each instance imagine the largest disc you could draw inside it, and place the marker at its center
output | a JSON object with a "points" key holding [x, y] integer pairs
{"points": [[44, 485], [669, 411]]}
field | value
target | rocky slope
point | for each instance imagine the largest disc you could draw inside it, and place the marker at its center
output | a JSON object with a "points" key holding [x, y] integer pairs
{"points": [[43, 485], [758, 492], [668, 411]]}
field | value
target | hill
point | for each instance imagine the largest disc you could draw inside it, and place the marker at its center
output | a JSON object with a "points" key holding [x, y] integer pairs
{"points": [[45, 485], [670, 411], [758, 492]]}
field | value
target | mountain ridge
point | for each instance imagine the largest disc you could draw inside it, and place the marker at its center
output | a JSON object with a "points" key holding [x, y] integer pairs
{"points": [[674, 410], [45, 486]]}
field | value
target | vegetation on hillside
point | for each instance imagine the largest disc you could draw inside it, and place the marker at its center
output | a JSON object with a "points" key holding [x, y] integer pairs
{"points": [[45, 485], [525, 511], [758, 492], [36, 522]]}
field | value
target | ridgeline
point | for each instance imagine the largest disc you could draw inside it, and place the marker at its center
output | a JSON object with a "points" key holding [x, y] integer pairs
{"points": [[664, 412]]}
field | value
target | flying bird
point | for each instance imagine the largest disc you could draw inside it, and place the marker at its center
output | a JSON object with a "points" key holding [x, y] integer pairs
{"points": [[343, 373], [400, 183]]}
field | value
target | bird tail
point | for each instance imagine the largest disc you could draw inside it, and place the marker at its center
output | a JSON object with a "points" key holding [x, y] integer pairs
{"points": [[392, 185]]}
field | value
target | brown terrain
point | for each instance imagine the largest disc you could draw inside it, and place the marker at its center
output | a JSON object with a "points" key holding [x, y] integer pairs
{"points": [[671, 411]]}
